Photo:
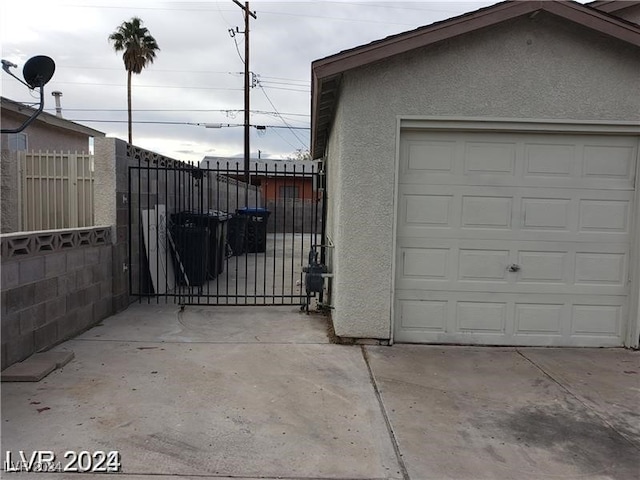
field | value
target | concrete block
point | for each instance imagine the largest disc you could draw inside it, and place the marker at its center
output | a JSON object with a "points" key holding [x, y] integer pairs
{"points": [[31, 270], [3, 356], [46, 336], [85, 317], [106, 289], [106, 254], [9, 273], [10, 326], [38, 313], [46, 290], [66, 283], [20, 298], [84, 277], [120, 283], [75, 259], [55, 308], [89, 295], [20, 348], [121, 302], [60, 359], [68, 325], [92, 256], [102, 309], [73, 301], [55, 264], [101, 272], [29, 370], [3, 302], [31, 317]]}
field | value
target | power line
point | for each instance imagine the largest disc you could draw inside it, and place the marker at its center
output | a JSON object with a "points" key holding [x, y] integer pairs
{"points": [[119, 69], [281, 117], [146, 86], [256, 112], [197, 124]]}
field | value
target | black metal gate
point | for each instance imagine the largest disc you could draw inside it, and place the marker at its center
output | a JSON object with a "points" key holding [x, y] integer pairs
{"points": [[203, 236]]}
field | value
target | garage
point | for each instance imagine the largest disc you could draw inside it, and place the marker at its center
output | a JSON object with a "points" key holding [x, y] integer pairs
{"points": [[518, 237], [481, 178]]}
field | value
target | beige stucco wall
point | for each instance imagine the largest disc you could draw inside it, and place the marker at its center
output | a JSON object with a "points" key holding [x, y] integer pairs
{"points": [[9, 189], [43, 136], [539, 68]]}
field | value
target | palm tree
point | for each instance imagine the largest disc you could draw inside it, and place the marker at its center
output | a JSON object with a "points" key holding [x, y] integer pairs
{"points": [[139, 51]]}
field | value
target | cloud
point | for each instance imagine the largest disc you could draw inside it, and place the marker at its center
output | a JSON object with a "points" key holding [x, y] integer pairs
{"points": [[192, 79]]}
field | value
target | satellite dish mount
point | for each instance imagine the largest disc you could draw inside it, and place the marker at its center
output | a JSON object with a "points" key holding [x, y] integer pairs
{"points": [[37, 72]]}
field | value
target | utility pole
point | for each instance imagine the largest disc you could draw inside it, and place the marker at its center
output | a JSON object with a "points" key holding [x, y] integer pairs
{"points": [[247, 150]]}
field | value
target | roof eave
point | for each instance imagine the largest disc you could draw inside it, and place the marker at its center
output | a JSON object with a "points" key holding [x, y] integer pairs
{"points": [[49, 119]]}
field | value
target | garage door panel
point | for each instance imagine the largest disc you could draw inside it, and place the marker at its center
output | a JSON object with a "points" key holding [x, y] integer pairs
{"points": [[546, 213], [609, 161], [508, 319], [571, 161], [544, 160], [483, 265], [539, 318], [428, 210], [490, 158], [601, 268], [513, 238], [596, 320], [600, 215], [487, 211], [605, 183], [432, 156], [488, 317], [554, 268], [543, 266], [496, 286]]}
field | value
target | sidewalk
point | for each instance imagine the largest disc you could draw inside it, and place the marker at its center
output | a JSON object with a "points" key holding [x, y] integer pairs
{"points": [[254, 392]]}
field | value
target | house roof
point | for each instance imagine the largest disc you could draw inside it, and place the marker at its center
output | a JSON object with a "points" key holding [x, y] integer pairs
{"points": [[327, 72], [44, 117], [611, 6]]}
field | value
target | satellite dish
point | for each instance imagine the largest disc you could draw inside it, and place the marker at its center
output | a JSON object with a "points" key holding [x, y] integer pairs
{"points": [[38, 71]]}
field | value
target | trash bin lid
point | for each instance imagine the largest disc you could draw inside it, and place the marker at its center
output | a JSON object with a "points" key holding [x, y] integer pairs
{"points": [[251, 210]]}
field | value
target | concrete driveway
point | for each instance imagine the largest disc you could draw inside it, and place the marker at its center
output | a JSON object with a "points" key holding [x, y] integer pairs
{"points": [[246, 392]]}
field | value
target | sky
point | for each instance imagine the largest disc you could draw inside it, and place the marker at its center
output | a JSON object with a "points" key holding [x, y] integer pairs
{"points": [[196, 78]]}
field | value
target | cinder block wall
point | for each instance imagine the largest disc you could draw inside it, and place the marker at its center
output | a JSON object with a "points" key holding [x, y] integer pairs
{"points": [[55, 284]]}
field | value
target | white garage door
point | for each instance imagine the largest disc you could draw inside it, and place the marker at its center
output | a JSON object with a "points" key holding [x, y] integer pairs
{"points": [[513, 238]]}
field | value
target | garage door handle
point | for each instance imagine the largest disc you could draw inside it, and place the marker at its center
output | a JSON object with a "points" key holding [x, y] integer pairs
{"points": [[513, 268]]}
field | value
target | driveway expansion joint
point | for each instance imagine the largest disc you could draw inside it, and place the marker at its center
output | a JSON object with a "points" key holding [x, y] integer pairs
{"points": [[383, 411]]}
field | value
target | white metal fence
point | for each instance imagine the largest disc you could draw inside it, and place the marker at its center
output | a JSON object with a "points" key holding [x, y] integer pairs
{"points": [[56, 190]]}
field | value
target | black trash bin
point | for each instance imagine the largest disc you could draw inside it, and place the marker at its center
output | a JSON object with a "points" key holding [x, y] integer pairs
{"points": [[236, 228], [256, 231], [214, 222], [192, 253]]}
